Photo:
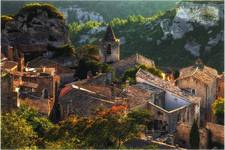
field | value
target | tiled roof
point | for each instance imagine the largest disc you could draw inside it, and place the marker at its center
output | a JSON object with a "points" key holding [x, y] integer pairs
{"points": [[87, 97], [205, 74], [40, 62], [109, 35], [85, 103], [9, 65], [135, 96], [143, 76]]}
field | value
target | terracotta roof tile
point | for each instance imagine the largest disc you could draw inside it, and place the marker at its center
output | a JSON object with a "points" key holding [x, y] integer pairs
{"points": [[206, 75], [146, 77]]}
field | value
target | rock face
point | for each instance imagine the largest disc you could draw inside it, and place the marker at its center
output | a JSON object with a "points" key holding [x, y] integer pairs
{"points": [[35, 28], [81, 15], [193, 48], [188, 13]]}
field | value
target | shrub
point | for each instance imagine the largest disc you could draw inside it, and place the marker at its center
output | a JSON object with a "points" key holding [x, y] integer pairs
{"points": [[32, 8]]}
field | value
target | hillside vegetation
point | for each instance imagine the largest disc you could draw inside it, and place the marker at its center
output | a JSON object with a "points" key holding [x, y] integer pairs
{"points": [[146, 36]]}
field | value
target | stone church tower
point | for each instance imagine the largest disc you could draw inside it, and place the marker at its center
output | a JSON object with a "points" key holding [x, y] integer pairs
{"points": [[110, 47]]}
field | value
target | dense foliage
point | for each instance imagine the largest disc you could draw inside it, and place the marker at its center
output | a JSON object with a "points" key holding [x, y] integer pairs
{"points": [[16, 132], [25, 128], [108, 9], [145, 36], [130, 74], [32, 9], [64, 50], [4, 20], [89, 61], [194, 136], [218, 110]]}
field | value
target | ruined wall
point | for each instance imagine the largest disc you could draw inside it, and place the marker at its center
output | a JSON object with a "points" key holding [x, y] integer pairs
{"points": [[43, 106], [145, 61], [171, 118], [8, 97], [181, 136], [200, 88]]}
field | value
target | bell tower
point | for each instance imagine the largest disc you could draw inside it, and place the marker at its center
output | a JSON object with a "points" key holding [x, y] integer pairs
{"points": [[110, 47]]}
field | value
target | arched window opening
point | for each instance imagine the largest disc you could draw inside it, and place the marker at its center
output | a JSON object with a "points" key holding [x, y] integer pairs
{"points": [[109, 48]]}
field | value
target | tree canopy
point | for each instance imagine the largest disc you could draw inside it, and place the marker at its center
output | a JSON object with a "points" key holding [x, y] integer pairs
{"points": [[25, 128], [218, 110]]}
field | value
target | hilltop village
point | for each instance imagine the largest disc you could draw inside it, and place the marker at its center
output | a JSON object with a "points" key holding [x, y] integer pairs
{"points": [[52, 88]]}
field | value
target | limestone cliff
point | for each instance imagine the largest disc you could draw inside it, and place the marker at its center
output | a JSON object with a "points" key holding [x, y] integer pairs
{"points": [[34, 28]]}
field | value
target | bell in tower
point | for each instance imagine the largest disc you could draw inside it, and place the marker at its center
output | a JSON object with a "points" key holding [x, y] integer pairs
{"points": [[110, 47]]}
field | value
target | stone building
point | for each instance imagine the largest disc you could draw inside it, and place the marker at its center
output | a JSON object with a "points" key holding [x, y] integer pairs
{"points": [[201, 81], [110, 47], [211, 135], [85, 99], [66, 74], [167, 103], [8, 96], [36, 87], [129, 62]]}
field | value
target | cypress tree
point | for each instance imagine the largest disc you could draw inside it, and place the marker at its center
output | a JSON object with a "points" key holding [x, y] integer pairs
{"points": [[194, 136]]}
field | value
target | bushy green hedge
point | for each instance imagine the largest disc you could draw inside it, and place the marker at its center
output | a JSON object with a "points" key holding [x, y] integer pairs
{"points": [[32, 8], [4, 20], [130, 74]]}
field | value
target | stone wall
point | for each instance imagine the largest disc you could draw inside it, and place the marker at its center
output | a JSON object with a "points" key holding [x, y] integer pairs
{"points": [[169, 119], [8, 97], [207, 93], [145, 61], [182, 136], [43, 106], [217, 132]]}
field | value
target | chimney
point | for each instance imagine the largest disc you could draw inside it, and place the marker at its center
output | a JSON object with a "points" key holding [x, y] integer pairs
{"points": [[10, 53]]}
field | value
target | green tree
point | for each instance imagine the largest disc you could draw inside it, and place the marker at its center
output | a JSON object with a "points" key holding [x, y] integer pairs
{"points": [[130, 73], [90, 52], [16, 132], [218, 110], [194, 137]]}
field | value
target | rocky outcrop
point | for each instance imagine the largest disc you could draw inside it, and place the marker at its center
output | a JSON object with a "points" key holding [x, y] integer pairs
{"points": [[189, 13], [34, 28]]}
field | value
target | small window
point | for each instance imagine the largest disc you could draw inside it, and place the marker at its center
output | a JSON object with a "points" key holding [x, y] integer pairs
{"points": [[109, 48], [193, 91]]}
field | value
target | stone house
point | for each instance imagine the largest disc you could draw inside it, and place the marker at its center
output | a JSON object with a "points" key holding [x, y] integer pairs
{"points": [[66, 74], [8, 97], [200, 80], [167, 103], [110, 47], [37, 88], [83, 98]]}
